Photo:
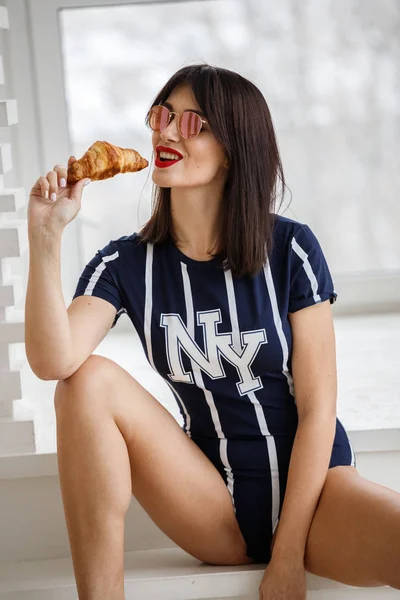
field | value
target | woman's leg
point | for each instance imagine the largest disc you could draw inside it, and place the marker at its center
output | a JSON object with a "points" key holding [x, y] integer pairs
{"points": [[354, 536], [114, 439]]}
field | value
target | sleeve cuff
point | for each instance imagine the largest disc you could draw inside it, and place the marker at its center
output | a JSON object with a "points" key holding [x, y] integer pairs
{"points": [[295, 306]]}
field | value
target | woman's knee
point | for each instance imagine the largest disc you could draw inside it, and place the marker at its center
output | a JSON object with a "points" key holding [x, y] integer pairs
{"points": [[86, 383]]}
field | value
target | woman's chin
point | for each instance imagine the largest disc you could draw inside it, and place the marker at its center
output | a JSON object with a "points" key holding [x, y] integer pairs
{"points": [[161, 178], [160, 181]]}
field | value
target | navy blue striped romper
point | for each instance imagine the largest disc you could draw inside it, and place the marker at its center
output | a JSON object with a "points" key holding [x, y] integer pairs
{"points": [[224, 345]]}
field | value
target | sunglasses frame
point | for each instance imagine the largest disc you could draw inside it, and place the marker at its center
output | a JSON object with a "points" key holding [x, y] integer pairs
{"points": [[171, 112]]}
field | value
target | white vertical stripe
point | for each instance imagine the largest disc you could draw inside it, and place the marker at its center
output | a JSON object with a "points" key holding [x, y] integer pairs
{"points": [[200, 384], [97, 273], [179, 399], [230, 290], [353, 458], [223, 452], [148, 296], [308, 269], [278, 326], [271, 446], [148, 308]]}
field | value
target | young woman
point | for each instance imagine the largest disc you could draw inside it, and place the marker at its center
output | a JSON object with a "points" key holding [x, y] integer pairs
{"points": [[232, 306]]}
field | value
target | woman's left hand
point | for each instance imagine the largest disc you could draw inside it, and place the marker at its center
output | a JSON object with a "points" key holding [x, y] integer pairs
{"points": [[284, 579]]}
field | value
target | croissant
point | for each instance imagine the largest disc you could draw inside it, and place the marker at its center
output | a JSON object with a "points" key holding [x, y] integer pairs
{"points": [[103, 160]]}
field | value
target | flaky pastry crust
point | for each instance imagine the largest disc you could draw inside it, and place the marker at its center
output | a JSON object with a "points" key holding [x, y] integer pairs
{"points": [[103, 160]]}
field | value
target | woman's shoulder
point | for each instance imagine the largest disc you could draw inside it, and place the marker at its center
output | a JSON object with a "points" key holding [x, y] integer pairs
{"points": [[289, 232], [285, 229], [126, 244], [285, 224], [133, 239], [120, 250]]}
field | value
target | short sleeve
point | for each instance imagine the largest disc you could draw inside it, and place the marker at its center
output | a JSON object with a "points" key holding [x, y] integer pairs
{"points": [[310, 278], [97, 279]]}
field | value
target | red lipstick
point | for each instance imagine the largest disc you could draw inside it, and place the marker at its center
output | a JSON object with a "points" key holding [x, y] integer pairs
{"points": [[166, 163]]}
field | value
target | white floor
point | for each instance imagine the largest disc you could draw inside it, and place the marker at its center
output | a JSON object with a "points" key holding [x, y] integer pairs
{"points": [[368, 364]]}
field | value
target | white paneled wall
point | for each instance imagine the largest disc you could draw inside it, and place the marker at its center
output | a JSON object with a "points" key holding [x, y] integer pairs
{"points": [[16, 435]]}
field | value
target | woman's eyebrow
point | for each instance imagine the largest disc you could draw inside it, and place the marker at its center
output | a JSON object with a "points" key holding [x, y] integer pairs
{"points": [[198, 112]]}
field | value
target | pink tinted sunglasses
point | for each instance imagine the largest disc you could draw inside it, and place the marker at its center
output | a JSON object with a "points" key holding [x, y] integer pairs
{"points": [[189, 123]]}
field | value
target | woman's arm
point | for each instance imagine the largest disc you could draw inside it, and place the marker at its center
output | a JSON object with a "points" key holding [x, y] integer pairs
{"points": [[307, 472], [58, 340], [315, 385]]}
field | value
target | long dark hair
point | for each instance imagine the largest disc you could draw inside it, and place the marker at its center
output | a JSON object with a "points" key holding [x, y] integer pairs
{"points": [[240, 119]]}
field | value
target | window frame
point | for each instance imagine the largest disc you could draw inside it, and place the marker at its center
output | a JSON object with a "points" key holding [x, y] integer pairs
{"points": [[34, 53]]}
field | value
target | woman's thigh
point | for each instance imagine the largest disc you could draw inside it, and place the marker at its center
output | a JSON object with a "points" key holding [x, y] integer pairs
{"points": [[354, 536], [172, 479]]}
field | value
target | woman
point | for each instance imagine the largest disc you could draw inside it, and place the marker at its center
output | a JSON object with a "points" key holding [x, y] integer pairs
{"points": [[232, 305]]}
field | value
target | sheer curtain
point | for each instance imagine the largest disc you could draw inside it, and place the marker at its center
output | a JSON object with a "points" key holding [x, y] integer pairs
{"points": [[328, 72]]}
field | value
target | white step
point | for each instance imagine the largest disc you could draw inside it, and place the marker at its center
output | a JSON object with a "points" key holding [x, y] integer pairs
{"points": [[8, 112], [18, 409], [7, 295], [6, 408], [12, 388], [12, 355], [11, 199], [13, 267], [5, 147], [10, 385], [11, 293], [16, 436], [12, 332], [165, 574], [11, 391], [7, 269], [30, 486], [13, 238]]}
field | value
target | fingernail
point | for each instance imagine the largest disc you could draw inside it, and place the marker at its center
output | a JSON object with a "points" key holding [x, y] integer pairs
{"points": [[87, 182], [53, 196], [63, 183], [46, 194]]}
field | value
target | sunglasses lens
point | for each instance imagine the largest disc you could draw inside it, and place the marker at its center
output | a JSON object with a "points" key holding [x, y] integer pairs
{"points": [[158, 118], [190, 124]]}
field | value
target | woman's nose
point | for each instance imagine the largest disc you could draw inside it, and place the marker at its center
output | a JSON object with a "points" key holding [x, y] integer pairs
{"points": [[171, 131]]}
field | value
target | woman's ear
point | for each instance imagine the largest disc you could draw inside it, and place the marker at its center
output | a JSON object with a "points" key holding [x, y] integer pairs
{"points": [[226, 163]]}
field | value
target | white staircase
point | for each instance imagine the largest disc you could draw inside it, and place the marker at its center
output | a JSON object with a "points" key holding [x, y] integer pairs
{"points": [[35, 560], [16, 434]]}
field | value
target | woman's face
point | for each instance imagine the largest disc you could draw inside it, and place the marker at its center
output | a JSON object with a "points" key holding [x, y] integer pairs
{"points": [[203, 156]]}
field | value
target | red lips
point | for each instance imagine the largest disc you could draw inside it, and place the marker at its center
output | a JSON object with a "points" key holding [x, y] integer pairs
{"points": [[166, 149], [162, 164]]}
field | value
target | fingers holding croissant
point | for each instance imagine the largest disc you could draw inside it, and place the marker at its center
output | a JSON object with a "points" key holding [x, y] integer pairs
{"points": [[103, 160]]}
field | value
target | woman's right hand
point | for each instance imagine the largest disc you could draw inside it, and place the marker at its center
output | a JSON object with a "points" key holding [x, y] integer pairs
{"points": [[54, 215]]}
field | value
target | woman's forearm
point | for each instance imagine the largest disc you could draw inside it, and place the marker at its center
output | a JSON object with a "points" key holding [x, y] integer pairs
{"points": [[47, 328], [308, 468]]}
